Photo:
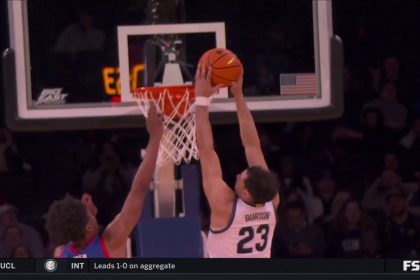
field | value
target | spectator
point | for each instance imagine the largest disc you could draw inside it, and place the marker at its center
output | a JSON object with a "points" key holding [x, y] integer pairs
{"points": [[388, 71], [21, 251], [326, 194], [301, 139], [10, 159], [375, 76], [296, 237], [370, 244], [274, 59], [85, 150], [10, 239], [373, 140], [80, 36], [414, 199], [348, 229], [374, 197], [76, 57], [109, 181], [298, 188], [354, 98], [265, 83], [30, 237], [270, 149], [391, 69], [371, 134], [402, 229], [292, 178], [376, 137], [395, 113], [391, 161], [410, 144]]}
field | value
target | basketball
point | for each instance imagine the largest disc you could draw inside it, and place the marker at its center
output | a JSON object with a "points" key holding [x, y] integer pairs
{"points": [[226, 66]]}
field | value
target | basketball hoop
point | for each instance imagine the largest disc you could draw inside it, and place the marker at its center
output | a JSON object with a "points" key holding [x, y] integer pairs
{"points": [[175, 103]]}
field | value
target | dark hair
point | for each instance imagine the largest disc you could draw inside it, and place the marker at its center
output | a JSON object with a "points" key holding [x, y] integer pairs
{"points": [[261, 184], [66, 220]]}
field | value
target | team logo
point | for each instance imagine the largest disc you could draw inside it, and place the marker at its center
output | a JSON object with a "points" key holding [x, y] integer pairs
{"points": [[50, 265], [51, 96]]}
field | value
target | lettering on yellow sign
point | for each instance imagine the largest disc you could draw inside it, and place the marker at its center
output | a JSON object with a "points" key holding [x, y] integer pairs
{"points": [[112, 82]]}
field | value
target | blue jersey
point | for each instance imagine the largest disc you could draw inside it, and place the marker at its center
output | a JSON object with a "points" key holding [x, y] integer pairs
{"points": [[95, 248]]}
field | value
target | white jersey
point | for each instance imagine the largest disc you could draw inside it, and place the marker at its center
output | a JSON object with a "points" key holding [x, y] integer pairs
{"points": [[248, 233]]}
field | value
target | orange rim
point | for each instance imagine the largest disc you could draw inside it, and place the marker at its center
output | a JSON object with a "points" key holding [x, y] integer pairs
{"points": [[176, 95], [177, 92]]}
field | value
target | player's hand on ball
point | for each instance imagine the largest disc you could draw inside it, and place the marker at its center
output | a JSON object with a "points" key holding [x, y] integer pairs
{"points": [[236, 87], [203, 82]]}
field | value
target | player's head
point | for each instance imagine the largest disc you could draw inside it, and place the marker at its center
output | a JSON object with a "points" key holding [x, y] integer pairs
{"points": [[70, 219], [256, 185]]}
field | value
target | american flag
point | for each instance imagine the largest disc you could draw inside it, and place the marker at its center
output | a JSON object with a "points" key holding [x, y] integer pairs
{"points": [[298, 84]]}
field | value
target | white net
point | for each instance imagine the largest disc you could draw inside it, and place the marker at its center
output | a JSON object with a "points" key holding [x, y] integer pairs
{"points": [[178, 142]]}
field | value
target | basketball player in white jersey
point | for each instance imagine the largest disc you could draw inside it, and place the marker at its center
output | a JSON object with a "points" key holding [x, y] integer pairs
{"points": [[242, 220]]}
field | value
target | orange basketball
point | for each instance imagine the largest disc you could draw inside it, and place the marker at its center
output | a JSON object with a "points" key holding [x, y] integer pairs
{"points": [[226, 66]]}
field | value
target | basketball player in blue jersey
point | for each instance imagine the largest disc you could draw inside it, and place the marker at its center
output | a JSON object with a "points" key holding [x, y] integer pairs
{"points": [[73, 221], [242, 220]]}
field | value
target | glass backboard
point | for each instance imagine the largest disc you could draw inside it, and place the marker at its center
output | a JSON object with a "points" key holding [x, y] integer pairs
{"points": [[74, 64]]}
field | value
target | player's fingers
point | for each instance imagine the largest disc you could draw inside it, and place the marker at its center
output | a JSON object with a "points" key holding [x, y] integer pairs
{"points": [[198, 72], [160, 117], [209, 72], [152, 110], [233, 85], [203, 72], [216, 88]]}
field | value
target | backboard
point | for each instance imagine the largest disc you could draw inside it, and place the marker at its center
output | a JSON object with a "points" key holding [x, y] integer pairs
{"points": [[74, 64]]}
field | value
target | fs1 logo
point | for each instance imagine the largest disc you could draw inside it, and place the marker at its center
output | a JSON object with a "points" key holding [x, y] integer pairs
{"points": [[411, 265]]}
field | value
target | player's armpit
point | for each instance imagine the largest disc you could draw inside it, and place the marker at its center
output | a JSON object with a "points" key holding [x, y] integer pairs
{"points": [[115, 236], [218, 193]]}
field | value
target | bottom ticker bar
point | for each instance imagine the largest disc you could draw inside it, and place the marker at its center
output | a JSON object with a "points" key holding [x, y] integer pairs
{"points": [[208, 266]]}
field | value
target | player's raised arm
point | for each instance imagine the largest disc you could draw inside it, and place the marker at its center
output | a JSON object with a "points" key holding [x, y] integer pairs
{"points": [[217, 192], [119, 229], [249, 134]]}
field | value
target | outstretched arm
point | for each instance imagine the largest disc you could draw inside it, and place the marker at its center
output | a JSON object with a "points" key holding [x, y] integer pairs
{"points": [[219, 195], [249, 134], [119, 229]]}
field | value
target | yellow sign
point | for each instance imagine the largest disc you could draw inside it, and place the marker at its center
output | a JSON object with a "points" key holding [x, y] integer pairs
{"points": [[111, 78]]}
